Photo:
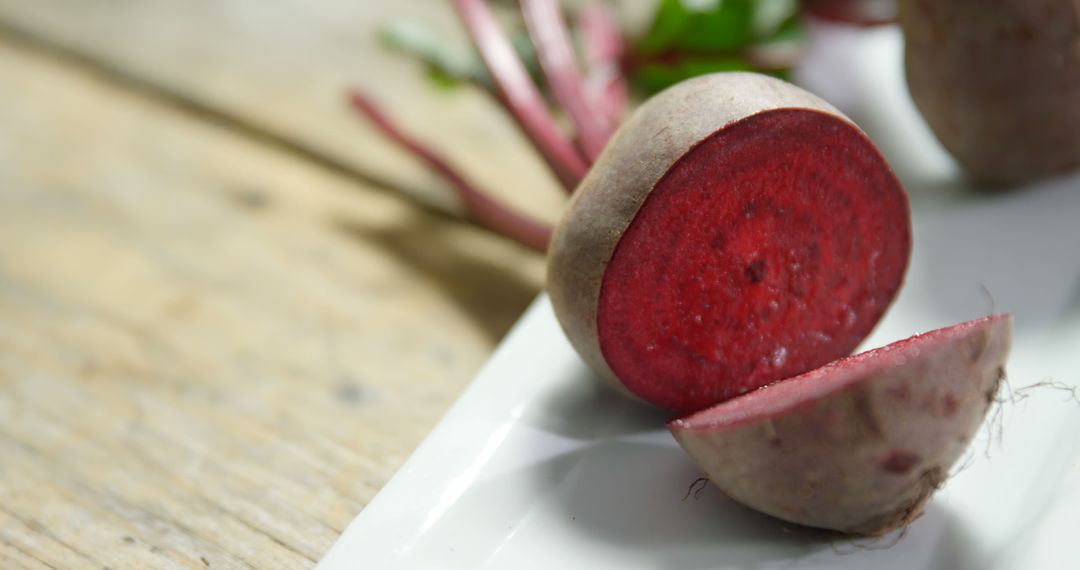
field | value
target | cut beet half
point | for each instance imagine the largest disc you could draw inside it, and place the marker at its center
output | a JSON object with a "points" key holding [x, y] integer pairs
{"points": [[858, 445], [769, 248]]}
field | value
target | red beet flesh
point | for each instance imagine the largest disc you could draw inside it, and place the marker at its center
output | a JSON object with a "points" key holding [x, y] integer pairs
{"points": [[807, 389], [772, 247]]}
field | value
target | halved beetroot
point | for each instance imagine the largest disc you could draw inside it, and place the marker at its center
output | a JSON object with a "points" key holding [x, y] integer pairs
{"points": [[860, 444], [736, 231]]}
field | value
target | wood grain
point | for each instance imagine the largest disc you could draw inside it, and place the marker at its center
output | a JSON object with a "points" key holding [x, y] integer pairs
{"points": [[213, 351], [281, 69]]}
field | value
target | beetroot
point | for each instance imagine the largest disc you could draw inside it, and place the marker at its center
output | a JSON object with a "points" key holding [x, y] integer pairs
{"points": [[860, 444], [736, 231], [998, 83], [734, 234]]}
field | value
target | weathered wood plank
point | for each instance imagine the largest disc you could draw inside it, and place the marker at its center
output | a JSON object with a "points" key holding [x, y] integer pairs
{"points": [[13, 557], [211, 351], [282, 68]]}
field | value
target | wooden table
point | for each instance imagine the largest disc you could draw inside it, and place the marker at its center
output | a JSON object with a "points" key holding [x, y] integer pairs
{"points": [[229, 310]]}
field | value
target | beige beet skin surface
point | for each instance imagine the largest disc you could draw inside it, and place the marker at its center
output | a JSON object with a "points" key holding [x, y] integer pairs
{"points": [[998, 81]]}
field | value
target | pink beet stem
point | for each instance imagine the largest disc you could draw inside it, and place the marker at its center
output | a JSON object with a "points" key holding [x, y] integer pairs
{"points": [[604, 49], [544, 20], [481, 207], [519, 94]]}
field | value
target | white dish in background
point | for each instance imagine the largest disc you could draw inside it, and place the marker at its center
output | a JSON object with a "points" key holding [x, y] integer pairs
{"points": [[540, 466]]}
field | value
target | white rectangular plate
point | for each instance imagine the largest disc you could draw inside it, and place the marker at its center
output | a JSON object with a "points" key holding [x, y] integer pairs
{"points": [[540, 466]]}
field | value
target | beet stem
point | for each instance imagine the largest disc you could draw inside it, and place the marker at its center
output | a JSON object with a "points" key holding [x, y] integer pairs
{"points": [[519, 94], [482, 208], [605, 83], [544, 20]]}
